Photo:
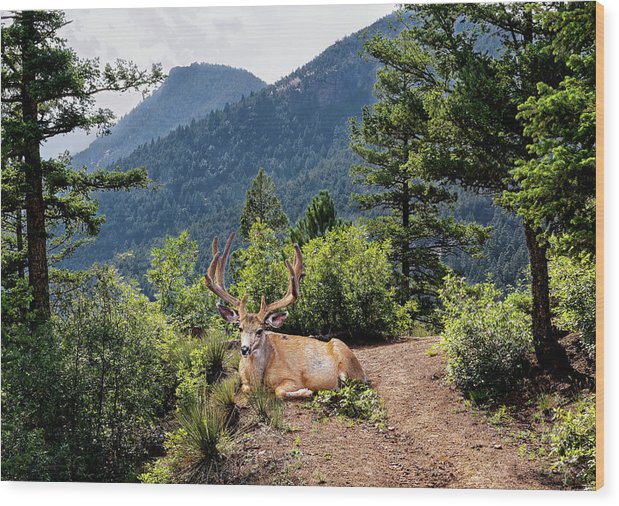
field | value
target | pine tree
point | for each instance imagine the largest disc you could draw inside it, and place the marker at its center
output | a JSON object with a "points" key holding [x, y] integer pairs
{"points": [[46, 91], [473, 100], [557, 182], [319, 218], [391, 140], [262, 204]]}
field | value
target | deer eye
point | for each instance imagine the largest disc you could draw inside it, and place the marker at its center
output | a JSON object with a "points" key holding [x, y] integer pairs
{"points": [[259, 332]]}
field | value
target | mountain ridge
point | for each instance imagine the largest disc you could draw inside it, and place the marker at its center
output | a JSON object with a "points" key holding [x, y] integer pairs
{"points": [[209, 87]]}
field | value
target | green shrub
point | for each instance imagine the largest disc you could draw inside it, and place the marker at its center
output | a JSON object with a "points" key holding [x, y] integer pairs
{"points": [[486, 336], [33, 393], [179, 290], [267, 408], [83, 395], [355, 399], [110, 336], [215, 355], [346, 287], [572, 443], [26, 454], [572, 285], [204, 430], [222, 398], [259, 269], [200, 362], [196, 452]]}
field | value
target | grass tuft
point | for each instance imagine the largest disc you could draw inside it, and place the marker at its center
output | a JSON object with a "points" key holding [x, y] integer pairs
{"points": [[222, 399], [266, 406]]}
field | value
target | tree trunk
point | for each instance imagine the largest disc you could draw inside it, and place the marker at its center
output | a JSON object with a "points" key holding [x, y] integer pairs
{"points": [[36, 233], [406, 264], [544, 339], [38, 276], [19, 235]]}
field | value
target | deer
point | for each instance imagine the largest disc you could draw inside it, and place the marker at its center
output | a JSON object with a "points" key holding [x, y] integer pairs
{"points": [[291, 366]]}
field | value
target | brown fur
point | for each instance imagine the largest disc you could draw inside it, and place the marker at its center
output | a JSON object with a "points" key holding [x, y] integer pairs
{"points": [[286, 364]]}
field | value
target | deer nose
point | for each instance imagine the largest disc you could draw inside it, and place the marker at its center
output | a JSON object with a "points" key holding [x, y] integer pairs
{"points": [[244, 350]]}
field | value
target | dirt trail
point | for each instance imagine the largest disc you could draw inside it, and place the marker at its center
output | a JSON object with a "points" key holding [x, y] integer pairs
{"points": [[430, 438]]}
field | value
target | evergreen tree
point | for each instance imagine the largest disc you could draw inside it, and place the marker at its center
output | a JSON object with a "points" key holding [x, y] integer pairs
{"points": [[319, 218], [557, 182], [46, 91], [262, 204], [473, 97], [391, 140]]}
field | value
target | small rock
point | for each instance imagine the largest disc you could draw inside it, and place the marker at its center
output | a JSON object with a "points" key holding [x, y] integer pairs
{"points": [[391, 428], [497, 446]]}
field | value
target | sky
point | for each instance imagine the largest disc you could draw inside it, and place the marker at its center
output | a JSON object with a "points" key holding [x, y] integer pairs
{"points": [[269, 41]]}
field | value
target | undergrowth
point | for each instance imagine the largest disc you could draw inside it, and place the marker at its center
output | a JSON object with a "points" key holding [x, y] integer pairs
{"points": [[355, 400]]}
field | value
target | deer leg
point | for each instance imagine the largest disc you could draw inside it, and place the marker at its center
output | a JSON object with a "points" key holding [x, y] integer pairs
{"points": [[302, 393], [246, 377], [290, 390]]}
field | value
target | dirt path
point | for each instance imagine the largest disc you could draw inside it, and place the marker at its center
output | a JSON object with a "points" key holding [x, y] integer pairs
{"points": [[430, 438]]}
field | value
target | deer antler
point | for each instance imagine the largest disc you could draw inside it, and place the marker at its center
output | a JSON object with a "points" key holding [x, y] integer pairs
{"points": [[215, 276], [296, 273]]}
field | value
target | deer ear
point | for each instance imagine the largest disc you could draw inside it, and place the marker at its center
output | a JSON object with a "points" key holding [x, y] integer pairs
{"points": [[230, 315], [276, 320]]}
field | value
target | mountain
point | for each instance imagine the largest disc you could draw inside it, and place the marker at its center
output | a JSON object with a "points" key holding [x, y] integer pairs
{"points": [[297, 129], [188, 93]]}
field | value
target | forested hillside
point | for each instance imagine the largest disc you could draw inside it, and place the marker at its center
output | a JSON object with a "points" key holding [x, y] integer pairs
{"points": [[187, 93], [297, 130]]}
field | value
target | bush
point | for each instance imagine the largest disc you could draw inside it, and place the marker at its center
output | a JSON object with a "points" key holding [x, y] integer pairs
{"points": [[572, 285], [26, 454], [32, 393], [196, 452], [199, 363], [355, 399], [82, 395], [346, 288], [259, 269], [180, 292], [222, 398], [486, 336], [572, 443], [110, 336]]}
